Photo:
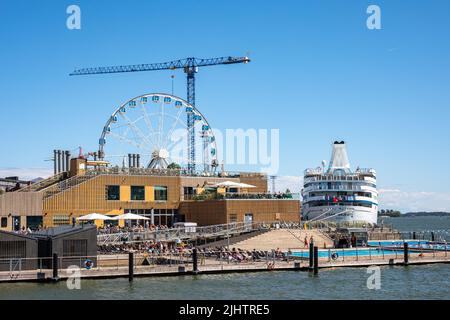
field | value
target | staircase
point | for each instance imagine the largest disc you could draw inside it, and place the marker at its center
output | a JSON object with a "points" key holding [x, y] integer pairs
{"points": [[66, 185], [284, 239], [234, 239], [43, 184]]}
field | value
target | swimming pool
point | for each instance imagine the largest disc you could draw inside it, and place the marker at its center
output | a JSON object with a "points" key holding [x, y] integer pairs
{"points": [[413, 244], [339, 253]]}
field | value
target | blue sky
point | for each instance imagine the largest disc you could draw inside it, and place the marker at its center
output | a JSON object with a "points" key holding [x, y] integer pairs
{"points": [[317, 74]]}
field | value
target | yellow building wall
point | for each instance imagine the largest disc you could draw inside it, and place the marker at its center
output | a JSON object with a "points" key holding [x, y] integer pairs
{"points": [[149, 193], [125, 193]]}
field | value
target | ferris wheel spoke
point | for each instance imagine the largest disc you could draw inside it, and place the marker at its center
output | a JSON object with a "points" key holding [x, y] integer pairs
{"points": [[174, 125], [161, 124], [127, 140], [149, 125], [136, 130]]}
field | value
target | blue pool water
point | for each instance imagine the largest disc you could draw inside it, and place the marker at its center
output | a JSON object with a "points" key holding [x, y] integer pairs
{"points": [[374, 250], [413, 244], [363, 252]]}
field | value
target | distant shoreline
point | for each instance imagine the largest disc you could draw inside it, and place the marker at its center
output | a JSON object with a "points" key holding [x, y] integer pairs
{"points": [[420, 214]]}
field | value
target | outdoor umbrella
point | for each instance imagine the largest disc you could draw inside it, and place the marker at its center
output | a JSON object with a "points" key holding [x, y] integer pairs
{"points": [[93, 216], [232, 184], [130, 216]]}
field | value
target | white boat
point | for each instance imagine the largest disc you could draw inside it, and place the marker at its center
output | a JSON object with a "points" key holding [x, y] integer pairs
{"points": [[339, 194]]}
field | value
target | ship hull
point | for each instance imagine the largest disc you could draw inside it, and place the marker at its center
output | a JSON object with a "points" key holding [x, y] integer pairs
{"points": [[346, 214]]}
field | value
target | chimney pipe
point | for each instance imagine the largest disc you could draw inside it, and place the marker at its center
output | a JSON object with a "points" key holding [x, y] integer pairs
{"points": [[54, 162], [59, 161], [138, 158], [129, 160], [63, 161], [67, 160]]}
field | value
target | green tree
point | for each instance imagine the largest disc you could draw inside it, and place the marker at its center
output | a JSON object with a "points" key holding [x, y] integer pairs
{"points": [[174, 165]]}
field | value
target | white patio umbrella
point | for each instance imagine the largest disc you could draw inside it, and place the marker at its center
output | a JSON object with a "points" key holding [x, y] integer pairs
{"points": [[245, 185], [93, 216], [232, 184], [130, 216]]}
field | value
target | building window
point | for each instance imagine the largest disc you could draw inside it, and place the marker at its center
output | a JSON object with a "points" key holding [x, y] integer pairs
{"points": [[137, 193], [61, 220], [4, 222], [160, 193], [34, 222], [188, 193], [113, 192]]}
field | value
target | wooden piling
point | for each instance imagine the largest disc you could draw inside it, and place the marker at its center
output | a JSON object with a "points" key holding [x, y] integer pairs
{"points": [[55, 266], [195, 260], [316, 260], [405, 253], [130, 266]]}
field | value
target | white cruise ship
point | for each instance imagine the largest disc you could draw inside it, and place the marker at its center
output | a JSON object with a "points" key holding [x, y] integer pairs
{"points": [[338, 194]]}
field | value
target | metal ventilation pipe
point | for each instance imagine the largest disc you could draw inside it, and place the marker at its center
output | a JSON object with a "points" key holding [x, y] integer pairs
{"points": [[55, 168], [129, 160], [67, 160], [134, 160], [59, 161], [63, 161], [138, 160]]}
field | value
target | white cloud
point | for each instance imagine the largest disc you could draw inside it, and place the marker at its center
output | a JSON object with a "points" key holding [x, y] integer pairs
{"points": [[407, 201], [26, 173]]}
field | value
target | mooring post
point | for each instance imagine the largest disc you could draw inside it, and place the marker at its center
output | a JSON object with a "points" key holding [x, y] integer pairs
{"points": [[316, 260], [414, 235], [432, 236], [195, 260], [130, 266], [405, 253], [55, 267], [311, 256]]}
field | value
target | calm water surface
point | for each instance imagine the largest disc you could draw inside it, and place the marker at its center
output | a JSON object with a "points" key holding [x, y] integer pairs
{"points": [[413, 282]]}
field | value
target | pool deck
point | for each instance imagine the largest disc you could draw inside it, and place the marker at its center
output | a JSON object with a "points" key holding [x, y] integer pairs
{"points": [[213, 266]]}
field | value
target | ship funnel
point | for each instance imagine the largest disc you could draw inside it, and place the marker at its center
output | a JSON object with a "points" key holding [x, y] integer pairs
{"points": [[339, 158]]}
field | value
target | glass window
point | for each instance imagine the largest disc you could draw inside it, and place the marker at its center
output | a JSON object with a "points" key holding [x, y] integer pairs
{"points": [[4, 222], [160, 193], [34, 223], [137, 193], [113, 192]]}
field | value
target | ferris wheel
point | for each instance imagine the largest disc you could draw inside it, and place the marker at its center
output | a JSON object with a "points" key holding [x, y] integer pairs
{"points": [[159, 127]]}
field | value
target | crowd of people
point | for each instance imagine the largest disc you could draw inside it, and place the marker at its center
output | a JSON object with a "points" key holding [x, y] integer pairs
{"points": [[277, 195], [238, 255], [149, 247], [110, 229], [156, 249]]}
